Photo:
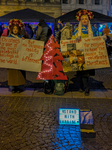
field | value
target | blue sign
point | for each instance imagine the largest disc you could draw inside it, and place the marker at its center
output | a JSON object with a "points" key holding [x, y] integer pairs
{"points": [[69, 116]]}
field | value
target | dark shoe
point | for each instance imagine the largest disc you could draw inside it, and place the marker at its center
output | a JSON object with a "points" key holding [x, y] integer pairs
{"points": [[14, 91], [87, 92], [19, 90], [81, 90]]}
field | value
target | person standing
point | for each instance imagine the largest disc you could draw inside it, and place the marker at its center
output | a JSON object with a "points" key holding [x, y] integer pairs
{"points": [[60, 26], [16, 78], [66, 32], [84, 30], [42, 31]]}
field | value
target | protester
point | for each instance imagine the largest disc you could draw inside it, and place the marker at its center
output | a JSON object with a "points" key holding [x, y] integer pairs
{"points": [[66, 32], [35, 30], [29, 30], [84, 30], [60, 26], [106, 32], [16, 78], [42, 31], [5, 32], [24, 33], [56, 33]]}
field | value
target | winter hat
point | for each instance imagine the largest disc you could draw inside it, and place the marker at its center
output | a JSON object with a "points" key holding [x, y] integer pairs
{"points": [[68, 24]]}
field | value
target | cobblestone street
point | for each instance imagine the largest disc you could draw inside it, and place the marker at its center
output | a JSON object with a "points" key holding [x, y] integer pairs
{"points": [[31, 123]]}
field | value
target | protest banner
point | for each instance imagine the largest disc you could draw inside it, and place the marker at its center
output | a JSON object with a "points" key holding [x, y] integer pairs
{"points": [[90, 53], [95, 53], [21, 54]]}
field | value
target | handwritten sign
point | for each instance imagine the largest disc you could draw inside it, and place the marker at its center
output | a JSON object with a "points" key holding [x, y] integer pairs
{"points": [[69, 116], [21, 54], [67, 45], [90, 53], [95, 53]]}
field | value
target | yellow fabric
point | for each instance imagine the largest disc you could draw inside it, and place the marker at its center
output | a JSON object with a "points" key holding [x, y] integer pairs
{"points": [[82, 35]]}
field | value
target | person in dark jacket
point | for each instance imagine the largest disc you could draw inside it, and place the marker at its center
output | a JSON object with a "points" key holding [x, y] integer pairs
{"points": [[42, 30]]}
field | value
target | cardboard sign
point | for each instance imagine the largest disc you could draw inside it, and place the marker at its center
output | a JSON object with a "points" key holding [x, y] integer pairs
{"points": [[95, 53], [21, 54], [68, 45], [69, 116], [90, 53]]}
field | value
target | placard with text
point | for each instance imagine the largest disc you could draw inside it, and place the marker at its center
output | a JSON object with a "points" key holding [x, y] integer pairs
{"points": [[90, 53], [21, 54]]}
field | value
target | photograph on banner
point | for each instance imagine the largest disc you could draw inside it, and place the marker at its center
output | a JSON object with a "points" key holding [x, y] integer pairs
{"points": [[79, 56], [73, 54], [17, 53]]}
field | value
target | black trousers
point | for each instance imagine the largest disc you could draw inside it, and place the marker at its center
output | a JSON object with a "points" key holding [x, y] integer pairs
{"points": [[83, 79], [84, 82]]}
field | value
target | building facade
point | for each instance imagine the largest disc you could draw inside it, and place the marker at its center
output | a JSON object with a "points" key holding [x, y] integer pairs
{"points": [[101, 6], [55, 8], [49, 7]]}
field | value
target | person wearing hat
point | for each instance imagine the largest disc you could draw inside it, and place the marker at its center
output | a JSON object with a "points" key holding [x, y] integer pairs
{"points": [[65, 32], [84, 30], [16, 78], [42, 31]]}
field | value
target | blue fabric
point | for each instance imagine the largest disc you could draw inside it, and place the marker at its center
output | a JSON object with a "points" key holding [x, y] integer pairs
{"points": [[60, 26], [56, 34], [85, 30], [20, 36]]}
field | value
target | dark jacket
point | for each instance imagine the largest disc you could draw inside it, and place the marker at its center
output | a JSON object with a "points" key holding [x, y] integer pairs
{"points": [[41, 33]]}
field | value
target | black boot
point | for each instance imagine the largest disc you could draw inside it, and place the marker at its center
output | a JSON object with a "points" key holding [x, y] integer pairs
{"points": [[87, 92]]}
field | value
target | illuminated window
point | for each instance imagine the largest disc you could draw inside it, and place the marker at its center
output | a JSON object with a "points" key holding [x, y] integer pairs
{"points": [[97, 2], [81, 1]]}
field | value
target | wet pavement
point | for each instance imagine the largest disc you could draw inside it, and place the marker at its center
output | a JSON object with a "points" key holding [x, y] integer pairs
{"points": [[29, 121]]}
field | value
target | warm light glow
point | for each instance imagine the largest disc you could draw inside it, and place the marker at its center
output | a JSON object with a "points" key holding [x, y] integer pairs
{"points": [[46, 61]]}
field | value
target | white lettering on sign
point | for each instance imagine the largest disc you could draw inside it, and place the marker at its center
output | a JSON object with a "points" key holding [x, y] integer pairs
{"points": [[69, 116]]}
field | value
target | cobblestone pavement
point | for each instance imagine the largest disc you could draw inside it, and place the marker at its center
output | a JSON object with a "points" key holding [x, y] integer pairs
{"points": [[31, 123]]}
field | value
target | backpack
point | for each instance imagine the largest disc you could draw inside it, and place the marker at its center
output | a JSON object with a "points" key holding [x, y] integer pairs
{"points": [[60, 86], [48, 86]]}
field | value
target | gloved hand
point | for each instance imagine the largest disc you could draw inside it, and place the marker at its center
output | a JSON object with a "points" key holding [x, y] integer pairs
{"points": [[78, 38], [104, 37]]}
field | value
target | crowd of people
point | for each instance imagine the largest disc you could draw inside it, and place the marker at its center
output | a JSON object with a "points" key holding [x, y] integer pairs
{"points": [[16, 28]]}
